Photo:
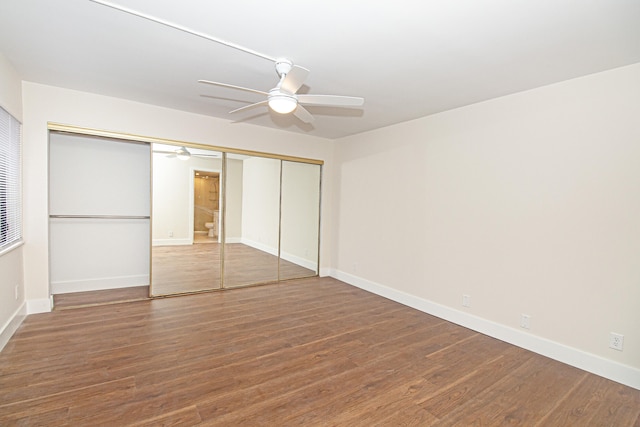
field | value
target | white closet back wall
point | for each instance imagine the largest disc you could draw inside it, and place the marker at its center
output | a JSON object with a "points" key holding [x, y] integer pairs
{"points": [[99, 207]]}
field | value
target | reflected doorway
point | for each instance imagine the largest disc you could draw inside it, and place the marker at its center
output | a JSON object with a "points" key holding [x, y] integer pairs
{"points": [[178, 264], [206, 206], [258, 214]]}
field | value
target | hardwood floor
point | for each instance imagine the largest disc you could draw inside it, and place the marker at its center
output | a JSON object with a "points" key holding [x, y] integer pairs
{"points": [[313, 352], [102, 297], [192, 268]]}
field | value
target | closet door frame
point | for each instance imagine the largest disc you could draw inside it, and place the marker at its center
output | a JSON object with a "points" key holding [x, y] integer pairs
{"points": [[92, 132]]}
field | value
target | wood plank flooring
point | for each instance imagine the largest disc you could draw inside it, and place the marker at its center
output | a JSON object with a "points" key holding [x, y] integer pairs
{"points": [[102, 297], [192, 268], [312, 352]]}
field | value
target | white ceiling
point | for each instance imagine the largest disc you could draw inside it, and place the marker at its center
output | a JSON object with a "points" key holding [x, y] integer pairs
{"points": [[407, 58]]}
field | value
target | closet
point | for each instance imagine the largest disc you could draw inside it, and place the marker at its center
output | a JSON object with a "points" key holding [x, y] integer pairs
{"points": [[124, 212], [99, 213]]}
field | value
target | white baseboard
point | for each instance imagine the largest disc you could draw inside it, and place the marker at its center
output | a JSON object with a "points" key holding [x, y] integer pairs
{"points": [[65, 287], [259, 246], [11, 325], [171, 242], [41, 305], [299, 261], [284, 255], [589, 362]]}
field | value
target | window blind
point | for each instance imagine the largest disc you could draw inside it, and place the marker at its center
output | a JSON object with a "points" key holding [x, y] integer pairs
{"points": [[10, 181]]}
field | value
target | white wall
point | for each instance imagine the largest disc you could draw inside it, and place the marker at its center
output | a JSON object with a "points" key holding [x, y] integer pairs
{"points": [[528, 203], [12, 310], [299, 211], [234, 195], [261, 203], [97, 176], [172, 199], [46, 103]]}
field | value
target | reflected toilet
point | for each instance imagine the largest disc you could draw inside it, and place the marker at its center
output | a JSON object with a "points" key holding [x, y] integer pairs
{"points": [[210, 226]]}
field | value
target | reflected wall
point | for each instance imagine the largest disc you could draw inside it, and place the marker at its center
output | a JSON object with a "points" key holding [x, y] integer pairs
{"points": [[183, 258], [300, 220], [268, 217]]}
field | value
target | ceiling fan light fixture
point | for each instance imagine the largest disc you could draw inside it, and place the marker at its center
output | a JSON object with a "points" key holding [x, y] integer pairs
{"points": [[183, 154], [282, 103]]}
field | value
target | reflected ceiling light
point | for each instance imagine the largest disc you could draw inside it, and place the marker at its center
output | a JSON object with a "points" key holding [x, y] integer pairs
{"points": [[281, 102], [183, 154]]}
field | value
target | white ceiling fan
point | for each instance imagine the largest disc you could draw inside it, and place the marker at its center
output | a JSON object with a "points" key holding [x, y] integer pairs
{"points": [[183, 154], [283, 98]]}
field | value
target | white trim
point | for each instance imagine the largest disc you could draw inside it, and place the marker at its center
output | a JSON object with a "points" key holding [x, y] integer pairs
{"points": [[14, 245], [41, 305], [259, 246], [326, 272], [283, 255], [65, 287], [589, 362], [308, 264], [12, 325], [171, 242]]}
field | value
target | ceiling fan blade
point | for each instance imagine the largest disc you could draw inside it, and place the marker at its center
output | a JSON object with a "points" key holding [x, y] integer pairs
{"points": [[331, 100], [248, 107], [164, 152], [209, 82], [206, 156], [301, 113], [294, 79]]}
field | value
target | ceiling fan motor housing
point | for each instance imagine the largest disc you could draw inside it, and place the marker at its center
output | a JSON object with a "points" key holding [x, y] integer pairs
{"points": [[283, 66]]}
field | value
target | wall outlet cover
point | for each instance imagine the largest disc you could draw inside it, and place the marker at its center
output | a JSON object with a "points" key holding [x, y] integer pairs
{"points": [[525, 321], [616, 341], [466, 300]]}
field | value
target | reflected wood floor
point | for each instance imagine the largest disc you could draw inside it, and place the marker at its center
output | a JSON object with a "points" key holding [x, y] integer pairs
{"points": [[192, 268], [102, 297], [312, 352]]}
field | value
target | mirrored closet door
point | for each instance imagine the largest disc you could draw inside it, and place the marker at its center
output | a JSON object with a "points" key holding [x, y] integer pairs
{"points": [[300, 220], [186, 222], [252, 213], [224, 220]]}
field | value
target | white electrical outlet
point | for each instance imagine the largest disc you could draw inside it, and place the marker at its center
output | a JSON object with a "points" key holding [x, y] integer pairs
{"points": [[466, 300], [616, 341], [525, 321], [17, 292], [171, 234]]}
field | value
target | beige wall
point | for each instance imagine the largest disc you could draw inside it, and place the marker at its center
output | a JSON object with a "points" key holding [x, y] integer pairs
{"points": [[10, 89], [46, 103], [528, 203], [12, 310], [299, 212]]}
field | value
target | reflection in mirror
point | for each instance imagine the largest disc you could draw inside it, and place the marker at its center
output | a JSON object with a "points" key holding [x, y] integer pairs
{"points": [[252, 216], [300, 220], [186, 228]]}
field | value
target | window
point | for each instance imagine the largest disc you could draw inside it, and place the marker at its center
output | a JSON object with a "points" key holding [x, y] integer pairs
{"points": [[10, 191]]}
